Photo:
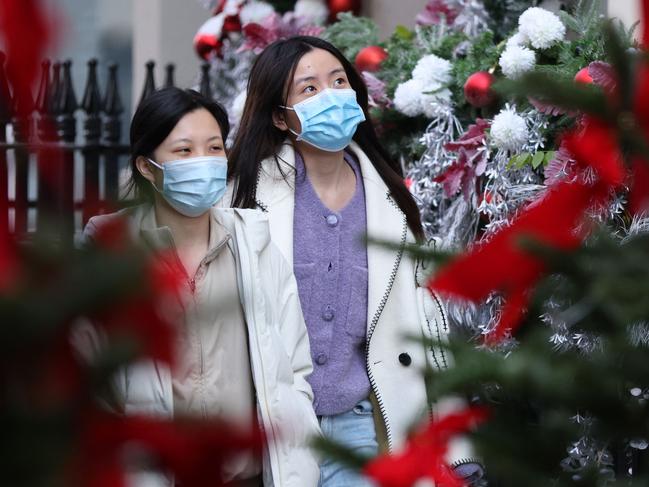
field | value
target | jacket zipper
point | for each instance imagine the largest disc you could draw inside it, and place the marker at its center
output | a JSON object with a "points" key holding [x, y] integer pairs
{"points": [[259, 204], [375, 321], [201, 357], [444, 364]]}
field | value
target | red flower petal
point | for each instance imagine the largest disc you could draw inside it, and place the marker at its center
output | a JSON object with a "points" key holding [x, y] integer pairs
{"points": [[28, 31], [451, 179], [597, 146], [424, 455], [500, 264], [510, 317], [195, 451]]}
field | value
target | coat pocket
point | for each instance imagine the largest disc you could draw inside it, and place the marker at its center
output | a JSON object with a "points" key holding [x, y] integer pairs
{"points": [[356, 324]]}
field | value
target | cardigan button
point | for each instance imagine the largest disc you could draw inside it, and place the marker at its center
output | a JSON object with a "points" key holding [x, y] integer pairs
{"points": [[328, 314], [332, 220], [321, 359], [405, 359]]}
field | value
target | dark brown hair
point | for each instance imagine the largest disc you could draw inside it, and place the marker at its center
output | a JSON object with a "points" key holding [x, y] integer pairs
{"points": [[258, 138]]}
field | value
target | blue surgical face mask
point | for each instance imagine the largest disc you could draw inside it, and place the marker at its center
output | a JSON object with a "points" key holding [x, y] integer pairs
{"points": [[329, 119], [192, 186]]}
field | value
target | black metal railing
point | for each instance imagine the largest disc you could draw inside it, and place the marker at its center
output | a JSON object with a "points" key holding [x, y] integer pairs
{"points": [[41, 157]]}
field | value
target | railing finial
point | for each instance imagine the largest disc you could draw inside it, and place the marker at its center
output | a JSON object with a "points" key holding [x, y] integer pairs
{"points": [[67, 105], [113, 107], [56, 88], [205, 88], [149, 81], [169, 79], [91, 101]]}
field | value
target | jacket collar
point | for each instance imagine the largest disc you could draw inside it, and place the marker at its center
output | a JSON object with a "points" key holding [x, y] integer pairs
{"points": [[385, 221], [246, 226], [160, 237]]}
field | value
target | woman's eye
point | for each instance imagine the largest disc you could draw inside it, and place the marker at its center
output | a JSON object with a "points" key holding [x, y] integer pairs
{"points": [[340, 82], [183, 150], [216, 148], [309, 89]]}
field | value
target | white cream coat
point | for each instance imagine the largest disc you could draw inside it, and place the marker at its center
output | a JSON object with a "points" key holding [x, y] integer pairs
{"points": [[397, 307], [279, 354]]}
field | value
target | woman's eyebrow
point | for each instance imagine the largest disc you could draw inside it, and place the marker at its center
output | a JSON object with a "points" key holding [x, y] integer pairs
{"points": [[311, 78], [184, 139], [303, 79]]}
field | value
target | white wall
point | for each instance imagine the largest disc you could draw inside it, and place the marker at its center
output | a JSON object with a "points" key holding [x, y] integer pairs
{"points": [[628, 11], [163, 31], [390, 13]]}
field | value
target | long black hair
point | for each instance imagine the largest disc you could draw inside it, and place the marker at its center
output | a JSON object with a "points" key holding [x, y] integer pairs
{"points": [[155, 118], [258, 138]]}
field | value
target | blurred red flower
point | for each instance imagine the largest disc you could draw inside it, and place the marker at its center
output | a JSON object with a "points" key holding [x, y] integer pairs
{"points": [[194, 452], [424, 454]]}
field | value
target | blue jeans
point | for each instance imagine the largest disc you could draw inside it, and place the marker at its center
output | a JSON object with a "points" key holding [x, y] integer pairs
{"points": [[355, 430]]}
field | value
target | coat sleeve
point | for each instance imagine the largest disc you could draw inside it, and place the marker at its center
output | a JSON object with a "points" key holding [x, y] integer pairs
{"points": [[293, 328], [295, 339]]}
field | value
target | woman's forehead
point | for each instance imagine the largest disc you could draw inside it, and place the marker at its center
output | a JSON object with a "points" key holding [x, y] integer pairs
{"points": [[199, 123], [316, 62]]}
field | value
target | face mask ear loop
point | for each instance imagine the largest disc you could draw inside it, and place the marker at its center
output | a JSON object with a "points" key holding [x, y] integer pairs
{"points": [[155, 164], [289, 128], [298, 136]]}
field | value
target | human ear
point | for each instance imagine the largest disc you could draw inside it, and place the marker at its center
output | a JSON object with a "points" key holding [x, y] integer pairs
{"points": [[279, 121], [144, 167]]}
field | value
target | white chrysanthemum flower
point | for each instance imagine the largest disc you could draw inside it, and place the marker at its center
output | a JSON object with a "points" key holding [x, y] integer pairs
{"points": [[212, 26], [517, 60], [314, 10], [517, 39], [413, 98], [408, 97], [231, 7], [509, 130], [541, 27], [238, 103], [432, 71], [255, 12]]}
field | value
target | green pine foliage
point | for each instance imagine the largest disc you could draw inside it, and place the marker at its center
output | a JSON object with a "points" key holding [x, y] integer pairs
{"points": [[44, 394], [403, 54], [534, 392], [351, 34], [584, 44], [482, 55], [503, 15], [596, 295], [443, 47]]}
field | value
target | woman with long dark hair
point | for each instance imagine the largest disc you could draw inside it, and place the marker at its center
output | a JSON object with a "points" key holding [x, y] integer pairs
{"points": [[307, 154], [243, 348]]}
